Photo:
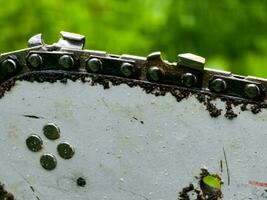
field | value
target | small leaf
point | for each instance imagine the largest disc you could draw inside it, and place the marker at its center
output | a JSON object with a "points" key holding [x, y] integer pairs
{"points": [[212, 181]]}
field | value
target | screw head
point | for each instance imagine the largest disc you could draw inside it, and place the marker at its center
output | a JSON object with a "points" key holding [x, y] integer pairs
{"points": [[51, 131], [218, 85], [155, 73], [94, 65], [188, 79], [252, 90], [127, 69], [66, 61], [34, 143], [65, 150], [9, 65], [48, 161], [35, 60]]}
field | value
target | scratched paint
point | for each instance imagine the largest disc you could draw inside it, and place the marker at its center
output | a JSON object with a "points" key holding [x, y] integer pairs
{"points": [[128, 144], [258, 184]]}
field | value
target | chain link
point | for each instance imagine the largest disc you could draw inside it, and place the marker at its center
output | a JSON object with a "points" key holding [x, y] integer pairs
{"points": [[189, 72]]}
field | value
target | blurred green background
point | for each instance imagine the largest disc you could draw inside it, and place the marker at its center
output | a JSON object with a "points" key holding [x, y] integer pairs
{"points": [[230, 34]]}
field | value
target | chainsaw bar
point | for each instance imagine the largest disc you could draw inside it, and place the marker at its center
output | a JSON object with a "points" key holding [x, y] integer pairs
{"points": [[83, 124]]}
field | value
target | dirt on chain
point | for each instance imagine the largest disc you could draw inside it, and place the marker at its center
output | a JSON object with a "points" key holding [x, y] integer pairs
{"points": [[179, 93]]}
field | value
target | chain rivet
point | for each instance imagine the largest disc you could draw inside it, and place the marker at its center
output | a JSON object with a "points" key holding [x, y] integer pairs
{"points": [[66, 61], [218, 85], [127, 69], [188, 79], [252, 90], [9, 65], [155, 73], [35, 60], [94, 65]]}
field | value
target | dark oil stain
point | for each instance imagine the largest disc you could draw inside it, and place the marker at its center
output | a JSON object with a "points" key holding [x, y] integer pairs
{"points": [[81, 182], [5, 195], [179, 93], [202, 191]]}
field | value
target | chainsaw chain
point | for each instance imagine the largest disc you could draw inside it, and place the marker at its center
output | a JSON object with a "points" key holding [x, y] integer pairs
{"points": [[188, 72]]}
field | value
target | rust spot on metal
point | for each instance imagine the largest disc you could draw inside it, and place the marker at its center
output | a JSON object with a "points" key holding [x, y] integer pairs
{"points": [[258, 184], [156, 89], [5, 195], [12, 131]]}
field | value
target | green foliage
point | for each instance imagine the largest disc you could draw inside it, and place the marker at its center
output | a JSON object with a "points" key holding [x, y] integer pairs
{"points": [[231, 34]]}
